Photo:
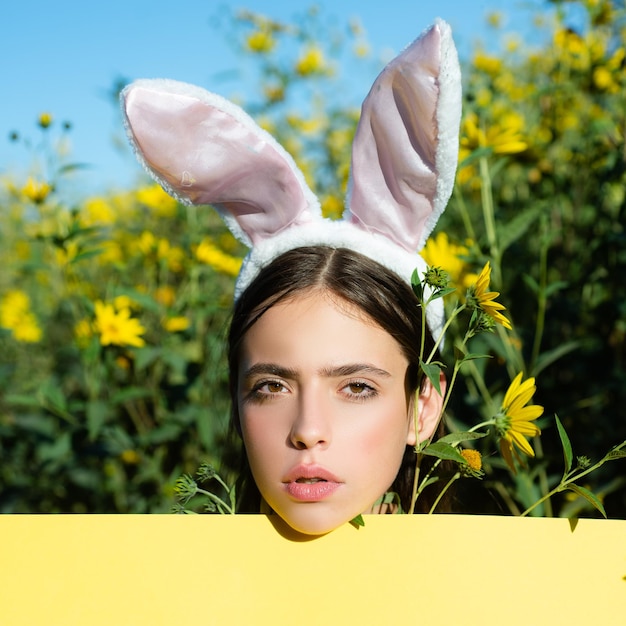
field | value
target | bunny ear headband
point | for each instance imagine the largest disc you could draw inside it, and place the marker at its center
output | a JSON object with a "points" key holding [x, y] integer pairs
{"points": [[204, 149]]}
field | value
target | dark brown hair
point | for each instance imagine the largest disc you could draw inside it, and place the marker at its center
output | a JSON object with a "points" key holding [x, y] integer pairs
{"points": [[379, 293]]}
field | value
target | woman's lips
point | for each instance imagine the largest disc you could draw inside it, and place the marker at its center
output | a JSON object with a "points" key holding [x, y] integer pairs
{"points": [[310, 483]]}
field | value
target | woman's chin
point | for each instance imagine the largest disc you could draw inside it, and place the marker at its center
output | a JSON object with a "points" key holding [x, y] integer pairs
{"points": [[314, 520]]}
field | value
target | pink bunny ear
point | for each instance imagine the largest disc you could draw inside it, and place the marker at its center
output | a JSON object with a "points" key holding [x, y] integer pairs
{"points": [[406, 146], [204, 149]]}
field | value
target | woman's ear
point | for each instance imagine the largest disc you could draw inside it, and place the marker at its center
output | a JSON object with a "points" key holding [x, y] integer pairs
{"points": [[429, 409]]}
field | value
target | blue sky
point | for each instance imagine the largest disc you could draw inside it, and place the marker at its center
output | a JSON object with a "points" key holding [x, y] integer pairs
{"points": [[63, 57]]}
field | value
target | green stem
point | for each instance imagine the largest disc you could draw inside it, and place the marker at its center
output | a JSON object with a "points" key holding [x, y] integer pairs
{"points": [[489, 217], [541, 302], [467, 222], [455, 373], [216, 499], [480, 383], [543, 476], [449, 321], [443, 491], [230, 491], [414, 490], [414, 493], [570, 478]]}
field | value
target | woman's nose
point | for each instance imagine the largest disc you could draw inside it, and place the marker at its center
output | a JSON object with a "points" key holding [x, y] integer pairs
{"points": [[311, 425]]}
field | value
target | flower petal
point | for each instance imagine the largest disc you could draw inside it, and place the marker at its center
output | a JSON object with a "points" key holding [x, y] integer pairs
{"points": [[522, 444], [511, 391]]}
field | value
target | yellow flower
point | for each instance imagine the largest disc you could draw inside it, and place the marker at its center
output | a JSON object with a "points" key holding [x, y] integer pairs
{"points": [[332, 206], [27, 329], [602, 78], [218, 260], [439, 251], [83, 331], [311, 126], [36, 191], [130, 457], [361, 49], [274, 93], [514, 421], [488, 64], [176, 324], [123, 362], [311, 62], [473, 458], [505, 137], [260, 41], [123, 302], [110, 252], [45, 119], [172, 255], [494, 19], [97, 211], [16, 316], [158, 200], [67, 253], [14, 303], [117, 328], [146, 243], [165, 295], [479, 297]]}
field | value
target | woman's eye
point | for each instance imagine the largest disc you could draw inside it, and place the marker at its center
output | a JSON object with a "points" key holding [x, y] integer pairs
{"points": [[274, 387], [268, 388], [361, 390]]}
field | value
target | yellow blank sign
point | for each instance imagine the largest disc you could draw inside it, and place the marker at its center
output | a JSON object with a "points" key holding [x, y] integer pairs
{"points": [[196, 570]]}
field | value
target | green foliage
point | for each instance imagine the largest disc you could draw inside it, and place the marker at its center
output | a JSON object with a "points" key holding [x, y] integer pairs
{"points": [[541, 192], [97, 418], [113, 310]]}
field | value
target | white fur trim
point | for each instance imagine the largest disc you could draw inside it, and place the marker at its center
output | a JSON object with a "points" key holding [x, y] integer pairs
{"points": [[448, 122], [340, 234]]}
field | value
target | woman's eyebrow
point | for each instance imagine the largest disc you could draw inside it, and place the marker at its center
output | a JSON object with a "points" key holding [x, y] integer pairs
{"points": [[271, 369], [350, 369], [333, 371]]}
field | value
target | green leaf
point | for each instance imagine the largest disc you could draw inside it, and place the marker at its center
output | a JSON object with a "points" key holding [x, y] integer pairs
{"points": [[98, 413], [86, 254], [441, 293], [587, 495], [52, 395], [416, 284], [21, 400], [358, 521], [146, 356], [433, 373], [477, 154], [430, 481], [57, 450], [461, 436], [72, 167], [130, 393], [531, 283], [473, 357], [615, 454], [146, 301], [567, 446], [444, 451], [549, 357], [517, 227], [552, 288]]}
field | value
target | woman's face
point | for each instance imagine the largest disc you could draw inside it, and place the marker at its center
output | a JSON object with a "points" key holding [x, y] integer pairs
{"points": [[324, 411]]}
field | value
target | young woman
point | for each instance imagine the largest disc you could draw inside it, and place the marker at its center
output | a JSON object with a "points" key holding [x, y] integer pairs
{"points": [[325, 337], [324, 368]]}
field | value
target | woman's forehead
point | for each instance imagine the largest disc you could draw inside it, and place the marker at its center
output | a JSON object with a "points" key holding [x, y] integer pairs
{"points": [[319, 327]]}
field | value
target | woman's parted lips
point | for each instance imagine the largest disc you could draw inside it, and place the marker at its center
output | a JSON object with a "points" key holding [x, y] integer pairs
{"points": [[310, 473]]}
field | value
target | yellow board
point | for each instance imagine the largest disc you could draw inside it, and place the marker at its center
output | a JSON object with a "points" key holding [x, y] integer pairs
{"points": [[196, 570]]}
